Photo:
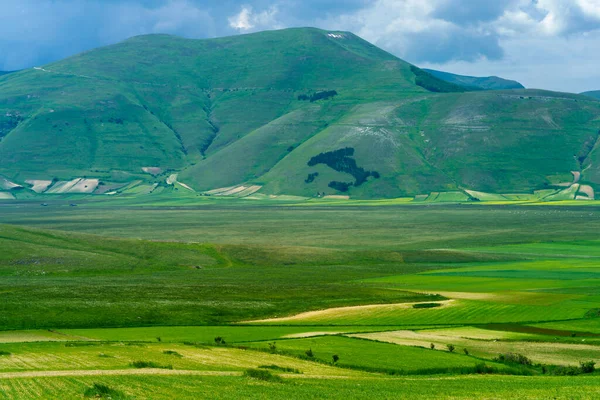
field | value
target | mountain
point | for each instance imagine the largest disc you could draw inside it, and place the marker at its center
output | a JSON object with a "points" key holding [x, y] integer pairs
{"points": [[476, 83], [595, 94], [296, 111]]}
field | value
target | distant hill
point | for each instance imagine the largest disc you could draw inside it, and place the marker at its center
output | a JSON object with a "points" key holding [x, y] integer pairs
{"points": [[473, 82], [595, 94], [296, 111]]}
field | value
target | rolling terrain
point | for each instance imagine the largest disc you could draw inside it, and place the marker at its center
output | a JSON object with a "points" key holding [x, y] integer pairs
{"points": [[228, 298], [476, 83], [301, 112]]}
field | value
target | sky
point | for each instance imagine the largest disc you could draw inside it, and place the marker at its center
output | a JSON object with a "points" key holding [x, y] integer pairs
{"points": [[549, 44]]}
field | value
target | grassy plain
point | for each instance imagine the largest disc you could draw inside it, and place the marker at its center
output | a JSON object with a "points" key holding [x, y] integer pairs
{"points": [[199, 289]]}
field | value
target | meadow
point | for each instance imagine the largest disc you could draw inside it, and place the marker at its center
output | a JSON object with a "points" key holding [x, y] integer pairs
{"points": [[195, 297]]}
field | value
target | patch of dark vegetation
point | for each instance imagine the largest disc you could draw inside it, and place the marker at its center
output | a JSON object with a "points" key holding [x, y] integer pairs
{"points": [[540, 331], [587, 367], [426, 305], [341, 161], [281, 369], [196, 345], [118, 121], [323, 95], [103, 355], [172, 353], [9, 122], [311, 177], [150, 364], [84, 344], [101, 391], [513, 358], [5, 353], [593, 313], [262, 375], [340, 186], [433, 84]]}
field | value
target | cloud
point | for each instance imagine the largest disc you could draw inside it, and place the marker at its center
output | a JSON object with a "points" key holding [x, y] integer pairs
{"points": [[247, 19], [36, 32], [425, 31]]}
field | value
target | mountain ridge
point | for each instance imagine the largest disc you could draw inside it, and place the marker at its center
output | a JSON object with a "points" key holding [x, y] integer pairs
{"points": [[254, 110]]}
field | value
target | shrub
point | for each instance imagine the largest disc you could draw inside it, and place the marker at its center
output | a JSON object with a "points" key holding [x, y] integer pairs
{"points": [[432, 346], [565, 371], [335, 358], [282, 369], [466, 352], [273, 347], [482, 368], [172, 353], [513, 358], [426, 305], [150, 364], [587, 367], [5, 353], [450, 348], [219, 340], [309, 353], [100, 391], [158, 339], [262, 375]]}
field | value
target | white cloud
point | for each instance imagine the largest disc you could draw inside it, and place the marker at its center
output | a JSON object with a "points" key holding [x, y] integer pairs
{"points": [[247, 19]]}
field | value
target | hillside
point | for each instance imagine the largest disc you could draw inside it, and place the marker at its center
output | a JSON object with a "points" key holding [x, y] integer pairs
{"points": [[476, 83], [296, 111], [595, 94]]}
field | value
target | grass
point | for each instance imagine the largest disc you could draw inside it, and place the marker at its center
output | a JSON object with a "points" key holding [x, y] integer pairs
{"points": [[100, 303]]}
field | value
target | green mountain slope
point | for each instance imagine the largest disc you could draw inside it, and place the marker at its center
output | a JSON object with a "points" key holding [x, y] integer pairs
{"points": [[595, 94], [478, 83], [296, 111]]}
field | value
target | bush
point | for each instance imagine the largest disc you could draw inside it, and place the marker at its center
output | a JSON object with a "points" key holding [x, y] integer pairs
{"points": [[262, 375], [5, 353], [219, 340], [482, 368], [273, 347], [587, 367], [335, 358], [432, 346], [172, 353], [565, 371], [513, 358], [426, 305], [466, 352], [100, 391], [282, 369], [309, 353], [150, 364], [450, 348]]}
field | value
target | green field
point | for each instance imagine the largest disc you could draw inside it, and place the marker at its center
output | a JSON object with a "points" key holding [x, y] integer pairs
{"points": [[162, 297]]}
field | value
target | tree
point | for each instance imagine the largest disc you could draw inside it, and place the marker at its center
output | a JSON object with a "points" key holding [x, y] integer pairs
{"points": [[335, 358], [432, 346], [450, 348]]}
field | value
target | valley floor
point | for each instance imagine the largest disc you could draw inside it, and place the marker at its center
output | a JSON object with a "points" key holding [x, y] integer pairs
{"points": [[237, 300]]}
